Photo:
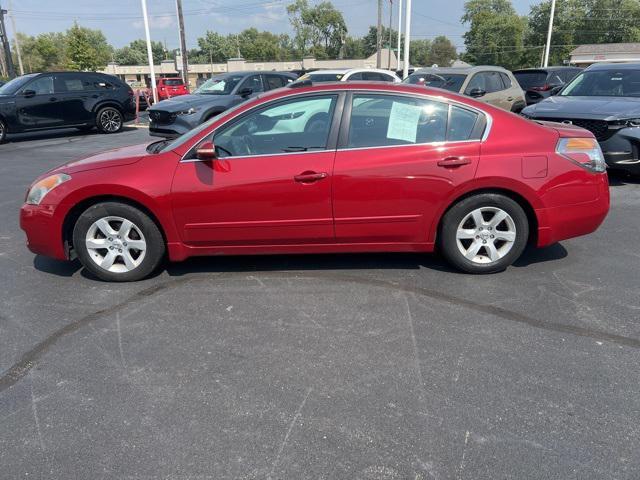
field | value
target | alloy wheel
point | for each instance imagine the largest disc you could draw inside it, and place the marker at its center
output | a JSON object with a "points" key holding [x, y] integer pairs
{"points": [[115, 244], [110, 120], [485, 235]]}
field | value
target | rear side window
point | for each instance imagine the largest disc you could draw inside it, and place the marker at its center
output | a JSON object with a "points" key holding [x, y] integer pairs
{"points": [[376, 77], [506, 81], [462, 124], [275, 81], [386, 120]]}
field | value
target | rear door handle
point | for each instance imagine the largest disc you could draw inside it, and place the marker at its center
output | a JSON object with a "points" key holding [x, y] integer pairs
{"points": [[454, 162], [310, 177]]}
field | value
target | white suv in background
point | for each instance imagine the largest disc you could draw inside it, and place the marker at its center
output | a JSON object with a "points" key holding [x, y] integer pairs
{"points": [[346, 75]]}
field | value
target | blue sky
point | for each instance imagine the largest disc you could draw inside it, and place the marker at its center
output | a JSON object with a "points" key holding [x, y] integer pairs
{"points": [[121, 20]]}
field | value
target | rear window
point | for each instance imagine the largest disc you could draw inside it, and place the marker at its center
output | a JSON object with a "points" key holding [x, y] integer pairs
{"points": [[173, 81], [531, 79]]}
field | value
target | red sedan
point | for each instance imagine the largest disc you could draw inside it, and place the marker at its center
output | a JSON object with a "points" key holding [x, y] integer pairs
{"points": [[349, 167]]}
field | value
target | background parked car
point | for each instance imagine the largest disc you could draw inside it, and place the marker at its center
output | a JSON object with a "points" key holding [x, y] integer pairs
{"points": [[178, 115], [604, 99], [171, 87], [493, 85], [541, 83], [353, 74], [84, 100]]}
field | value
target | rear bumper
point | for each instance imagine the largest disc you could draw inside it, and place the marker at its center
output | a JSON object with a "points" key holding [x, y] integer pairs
{"points": [[44, 230], [567, 221]]}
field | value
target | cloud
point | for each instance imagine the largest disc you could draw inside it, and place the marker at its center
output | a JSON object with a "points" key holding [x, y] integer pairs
{"points": [[157, 22]]}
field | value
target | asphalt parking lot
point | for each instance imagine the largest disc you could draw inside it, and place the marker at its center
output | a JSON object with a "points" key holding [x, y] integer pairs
{"points": [[340, 366]]}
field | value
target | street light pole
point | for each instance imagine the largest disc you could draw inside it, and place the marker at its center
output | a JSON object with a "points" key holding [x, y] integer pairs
{"points": [[390, 38], [15, 37], [407, 41], [183, 43], [149, 51], [399, 34], [379, 36], [545, 62]]}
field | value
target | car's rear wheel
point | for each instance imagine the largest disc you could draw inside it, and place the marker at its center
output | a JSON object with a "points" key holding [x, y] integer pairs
{"points": [[118, 242], [109, 120], [484, 233]]}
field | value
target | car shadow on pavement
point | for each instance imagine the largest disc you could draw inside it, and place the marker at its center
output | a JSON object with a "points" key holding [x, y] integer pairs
{"points": [[309, 262], [55, 134]]}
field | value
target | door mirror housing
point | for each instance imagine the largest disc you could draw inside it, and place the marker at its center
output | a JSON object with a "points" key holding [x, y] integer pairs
{"points": [[477, 93], [245, 92], [555, 90], [206, 152], [29, 93]]}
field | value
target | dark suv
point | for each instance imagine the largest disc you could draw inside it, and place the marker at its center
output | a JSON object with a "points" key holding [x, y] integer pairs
{"points": [[85, 100], [173, 117], [541, 83]]}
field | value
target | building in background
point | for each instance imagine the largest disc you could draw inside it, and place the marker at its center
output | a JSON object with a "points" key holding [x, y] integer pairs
{"points": [[585, 55], [140, 73]]}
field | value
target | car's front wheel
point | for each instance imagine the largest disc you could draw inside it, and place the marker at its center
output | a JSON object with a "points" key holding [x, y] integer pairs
{"points": [[109, 120], [118, 242], [484, 233], [3, 131]]}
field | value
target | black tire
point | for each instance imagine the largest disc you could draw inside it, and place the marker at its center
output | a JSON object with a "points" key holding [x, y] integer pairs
{"points": [[109, 120], [142, 223], [3, 131], [451, 246], [518, 107]]}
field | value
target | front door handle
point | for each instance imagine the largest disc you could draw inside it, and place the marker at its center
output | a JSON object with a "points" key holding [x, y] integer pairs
{"points": [[454, 162], [309, 177]]}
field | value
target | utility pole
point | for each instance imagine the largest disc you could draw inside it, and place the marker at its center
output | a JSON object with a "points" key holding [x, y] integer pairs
{"points": [[152, 71], [545, 62], [390, 31], [11, 71], [399, 34], [379, 36], [183, 44], [15, 37], [407, 40]]}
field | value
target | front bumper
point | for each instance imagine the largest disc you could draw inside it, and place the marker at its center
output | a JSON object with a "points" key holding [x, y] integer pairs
{"points": [[44, 230], [622, 150], [182, 124]]}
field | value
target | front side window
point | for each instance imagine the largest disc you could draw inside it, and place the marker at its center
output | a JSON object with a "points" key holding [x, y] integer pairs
{"points": [[385, 120], [219, 85], [488, 82], [452, 82], [297, 125], [42, 86], [254, 82], [275, 81]]}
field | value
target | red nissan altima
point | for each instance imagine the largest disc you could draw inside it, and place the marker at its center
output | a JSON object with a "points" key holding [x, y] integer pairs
{"points": [[348, 167]]}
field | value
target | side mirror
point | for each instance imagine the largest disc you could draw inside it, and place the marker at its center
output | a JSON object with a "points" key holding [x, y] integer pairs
{"points": [[555, 90], [29, 93], [477, 93], [245, 92], [206, 152]]}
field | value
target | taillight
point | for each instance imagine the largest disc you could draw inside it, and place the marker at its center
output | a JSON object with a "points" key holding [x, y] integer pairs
{"points": [[543, 88], [585, 152]]}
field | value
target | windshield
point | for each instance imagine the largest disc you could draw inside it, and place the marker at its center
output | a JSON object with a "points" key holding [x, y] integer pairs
{"points": [[531, 79], [219, 85], [604, 83], [322, 77], [12, 86], [449, 81]]}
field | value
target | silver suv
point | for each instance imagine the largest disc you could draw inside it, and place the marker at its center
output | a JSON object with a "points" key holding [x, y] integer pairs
{"points": [[494, 85]]}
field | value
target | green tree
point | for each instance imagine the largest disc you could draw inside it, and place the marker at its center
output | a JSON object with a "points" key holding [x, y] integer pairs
{"points": [[214, 47], [259, 46], [370, 39], [319, 30], [495, 35], [354, 47], [136, 53], [87, 49], [442, 52], [44, 52], [420, 52]]}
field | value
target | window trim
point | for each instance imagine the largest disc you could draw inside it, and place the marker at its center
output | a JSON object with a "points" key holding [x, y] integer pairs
{"points": [[339, 117], [331, 139], [343, 140]]}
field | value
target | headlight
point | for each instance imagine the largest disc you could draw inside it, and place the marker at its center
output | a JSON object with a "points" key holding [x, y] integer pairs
{"points": [[584, 152], [191, 111], [44, 186]]}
